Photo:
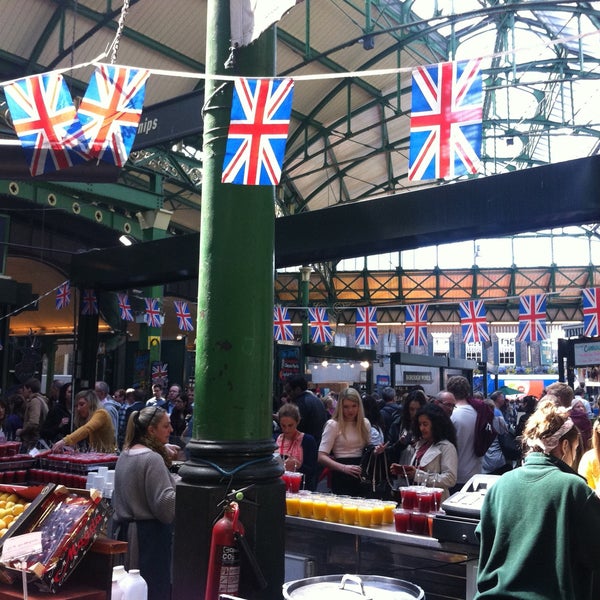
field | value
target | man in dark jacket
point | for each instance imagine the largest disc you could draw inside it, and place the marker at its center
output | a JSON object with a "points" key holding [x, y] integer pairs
{"points": [[313, 415], [389, 410]]}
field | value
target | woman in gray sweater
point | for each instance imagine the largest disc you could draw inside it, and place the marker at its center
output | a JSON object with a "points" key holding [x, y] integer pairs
{"points": [[144, 498]]}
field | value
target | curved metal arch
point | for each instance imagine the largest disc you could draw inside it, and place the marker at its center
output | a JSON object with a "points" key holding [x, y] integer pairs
{"points": [[555, 65]]}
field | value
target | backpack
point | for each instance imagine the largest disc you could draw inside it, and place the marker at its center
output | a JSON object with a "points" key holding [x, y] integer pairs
{"points": [[484, 426]]}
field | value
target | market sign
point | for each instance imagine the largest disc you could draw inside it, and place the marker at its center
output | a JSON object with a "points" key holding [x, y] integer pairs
{"points": [[587, 353], [417, 377], [170, 121]]}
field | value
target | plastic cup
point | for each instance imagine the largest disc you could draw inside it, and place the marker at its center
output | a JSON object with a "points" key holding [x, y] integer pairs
{"points": [[292, 504], [319, 509], [419, 523], [295, 481], [306, 507], [409, 497], [365, 515], [333, 514], [402, 520], [377, 514], [9, 476], [437, 498], [349, 513], [388, 512], [425, 500]]}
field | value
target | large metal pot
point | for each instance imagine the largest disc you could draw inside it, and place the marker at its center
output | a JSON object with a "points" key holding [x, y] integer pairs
{"points": [[351, 587]]}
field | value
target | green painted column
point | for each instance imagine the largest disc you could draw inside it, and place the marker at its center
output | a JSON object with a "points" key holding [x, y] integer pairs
{"points": [[232, 445], [235, 289]]}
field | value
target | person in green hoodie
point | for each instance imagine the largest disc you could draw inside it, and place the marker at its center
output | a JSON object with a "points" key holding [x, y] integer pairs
{"points": [[540, 524]]}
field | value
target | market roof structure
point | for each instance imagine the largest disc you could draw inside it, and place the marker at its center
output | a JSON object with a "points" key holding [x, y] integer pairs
{"points": [[349, 133]]}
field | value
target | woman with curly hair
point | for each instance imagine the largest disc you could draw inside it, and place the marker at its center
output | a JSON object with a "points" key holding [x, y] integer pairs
{"points": [[435, 449], [540, 523], [144, 498]]}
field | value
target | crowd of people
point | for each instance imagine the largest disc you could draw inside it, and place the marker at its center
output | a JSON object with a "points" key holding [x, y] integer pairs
{"points": [[91, 419], [547, 452], [540, 522], [148, 432], [412, 429]]}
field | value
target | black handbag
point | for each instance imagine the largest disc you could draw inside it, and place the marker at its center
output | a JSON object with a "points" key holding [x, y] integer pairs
{"points": [[510, 446], [375, 473]]}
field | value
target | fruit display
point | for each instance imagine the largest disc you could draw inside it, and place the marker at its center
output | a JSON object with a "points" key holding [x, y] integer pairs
{"points": [[69, 521], [12, 507]]}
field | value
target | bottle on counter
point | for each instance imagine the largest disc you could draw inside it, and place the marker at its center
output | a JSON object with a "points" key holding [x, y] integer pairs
{"points": [[134, 586], [118, 574]]}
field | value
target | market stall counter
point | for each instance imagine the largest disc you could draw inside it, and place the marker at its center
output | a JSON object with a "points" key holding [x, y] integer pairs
{"points": [[446, 570]]}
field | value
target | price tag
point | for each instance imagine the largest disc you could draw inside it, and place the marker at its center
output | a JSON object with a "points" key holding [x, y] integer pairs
{"points": [[20, 546]]}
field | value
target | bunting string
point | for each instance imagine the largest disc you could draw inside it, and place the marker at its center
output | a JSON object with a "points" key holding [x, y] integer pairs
{"points": [[313, 77]]}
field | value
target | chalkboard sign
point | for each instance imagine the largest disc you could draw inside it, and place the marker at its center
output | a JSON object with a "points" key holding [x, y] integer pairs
{"points": [[288, 361]]}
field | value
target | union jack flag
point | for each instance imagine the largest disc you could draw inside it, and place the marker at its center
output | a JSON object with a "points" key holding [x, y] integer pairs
{"points": [[152, 316], [282, 326], [110, 112], [415, 329], [124, 307], [43, 115], [260, 117], [63, 295], [89, 303], [184, 318], [160, 372], [532, 318], [445, 120], [591, 312], [473, 321], [366, 326], [320, 330]]}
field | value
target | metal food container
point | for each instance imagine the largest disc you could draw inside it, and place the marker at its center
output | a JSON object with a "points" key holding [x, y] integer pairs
{"points": [[351, 587]]}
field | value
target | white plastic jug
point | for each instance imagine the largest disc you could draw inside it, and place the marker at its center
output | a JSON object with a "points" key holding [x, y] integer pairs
{"points": [[134, 586], [118, 574]]}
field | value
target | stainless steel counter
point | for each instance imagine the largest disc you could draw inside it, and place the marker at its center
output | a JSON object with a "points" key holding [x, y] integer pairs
{"points": [[445, 570]]}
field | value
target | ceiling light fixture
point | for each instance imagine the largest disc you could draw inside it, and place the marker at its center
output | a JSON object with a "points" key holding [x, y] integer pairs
{"points": [[127, 240]]}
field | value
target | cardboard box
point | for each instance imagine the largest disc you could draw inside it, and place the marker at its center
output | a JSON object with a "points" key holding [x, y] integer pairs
{"points": [[70, 521]]}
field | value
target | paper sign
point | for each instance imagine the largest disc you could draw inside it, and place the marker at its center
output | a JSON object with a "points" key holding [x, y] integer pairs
{"points": [[20, 546]]}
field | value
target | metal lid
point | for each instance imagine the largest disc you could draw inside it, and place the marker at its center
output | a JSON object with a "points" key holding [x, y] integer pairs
{"points": [[352, 587]]}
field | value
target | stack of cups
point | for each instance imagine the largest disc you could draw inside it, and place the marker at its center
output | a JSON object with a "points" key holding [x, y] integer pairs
{"points": [[418, 504]]}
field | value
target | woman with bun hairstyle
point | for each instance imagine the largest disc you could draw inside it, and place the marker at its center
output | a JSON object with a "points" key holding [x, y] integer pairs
{"points": [[144, 498], [540, 523]]}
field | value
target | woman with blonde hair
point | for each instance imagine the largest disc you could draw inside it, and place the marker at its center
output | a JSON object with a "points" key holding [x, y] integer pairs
{"points": [[540, 523], [144, 498], [589, 466], [345, 436], [93, 424]]}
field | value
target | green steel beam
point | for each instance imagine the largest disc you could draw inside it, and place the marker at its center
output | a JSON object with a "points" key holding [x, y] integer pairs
{"points": [[108, 20], [74, 202]]}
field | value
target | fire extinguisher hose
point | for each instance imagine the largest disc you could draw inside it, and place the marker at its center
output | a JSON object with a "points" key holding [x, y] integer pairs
{"points": [[261, 582]]}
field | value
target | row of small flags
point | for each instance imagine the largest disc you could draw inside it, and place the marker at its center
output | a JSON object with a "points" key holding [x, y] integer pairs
{"points": [[152, 312], [445, 123], [473, 320]]}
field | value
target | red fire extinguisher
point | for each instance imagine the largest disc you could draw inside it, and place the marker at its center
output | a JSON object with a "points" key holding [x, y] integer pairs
{"points": [[224, 559]]}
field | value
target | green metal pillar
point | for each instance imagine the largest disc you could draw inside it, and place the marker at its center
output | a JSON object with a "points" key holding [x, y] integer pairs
{"points": [[232, 444], [304, 301]]}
